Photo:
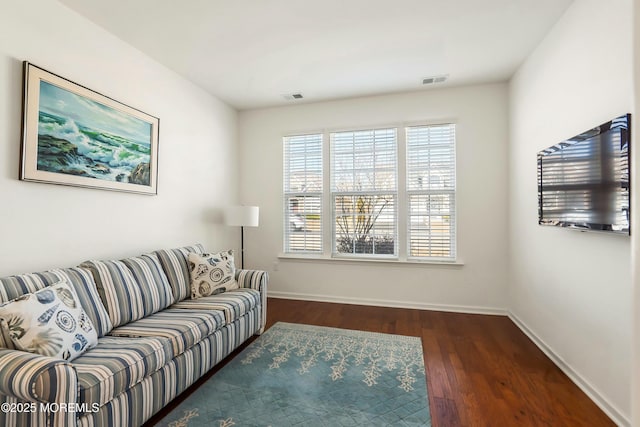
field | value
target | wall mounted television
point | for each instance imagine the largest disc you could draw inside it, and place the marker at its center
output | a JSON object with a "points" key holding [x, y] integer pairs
{"points": [[583, 182]]}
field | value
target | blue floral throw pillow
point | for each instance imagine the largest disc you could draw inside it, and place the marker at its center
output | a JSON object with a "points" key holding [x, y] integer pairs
{"points": [[50, 322], [212, 274]]}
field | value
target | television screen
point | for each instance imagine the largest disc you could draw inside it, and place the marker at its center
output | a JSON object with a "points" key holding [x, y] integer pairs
{"points": [[583, 182]]}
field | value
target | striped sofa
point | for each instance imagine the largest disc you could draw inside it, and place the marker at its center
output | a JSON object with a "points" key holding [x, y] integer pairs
{"points": [[153, 341]]}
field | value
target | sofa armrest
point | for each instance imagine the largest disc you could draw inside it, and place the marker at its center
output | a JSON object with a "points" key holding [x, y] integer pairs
{"points": [[37, 378], [256, 279]]}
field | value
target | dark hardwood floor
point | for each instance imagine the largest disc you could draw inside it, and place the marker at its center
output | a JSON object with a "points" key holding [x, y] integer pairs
{"points": [[481, 370]]}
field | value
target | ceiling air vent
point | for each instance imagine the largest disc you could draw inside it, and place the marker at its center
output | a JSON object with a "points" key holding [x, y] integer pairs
{"points": [[292, 96], [434, 79]]}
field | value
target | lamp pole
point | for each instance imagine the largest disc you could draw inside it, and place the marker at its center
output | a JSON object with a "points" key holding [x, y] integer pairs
{"points": [[242, 247]]}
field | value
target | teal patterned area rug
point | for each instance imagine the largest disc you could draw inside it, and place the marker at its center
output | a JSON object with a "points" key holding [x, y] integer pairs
{"points": [[300, 375]]}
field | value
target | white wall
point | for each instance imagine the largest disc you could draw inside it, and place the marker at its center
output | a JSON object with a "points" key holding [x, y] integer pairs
{"points": [[44, 226], [572, 290], [481, 114]]}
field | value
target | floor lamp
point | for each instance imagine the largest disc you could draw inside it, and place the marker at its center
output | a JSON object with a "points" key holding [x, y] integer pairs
{"points": [[242, 216]]}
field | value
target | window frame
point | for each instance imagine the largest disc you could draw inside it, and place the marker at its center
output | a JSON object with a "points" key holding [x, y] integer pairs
{"points": [[334, 194], [288, 195], [402, 214], [452, 192]]}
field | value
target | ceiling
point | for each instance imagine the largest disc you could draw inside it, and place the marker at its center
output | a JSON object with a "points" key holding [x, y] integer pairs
{"points": [[250, 53]]}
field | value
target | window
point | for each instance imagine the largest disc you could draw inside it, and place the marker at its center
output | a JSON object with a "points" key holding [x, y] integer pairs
{"points": [[431, 191], [391, 193], [364, 191], [303, 193]]}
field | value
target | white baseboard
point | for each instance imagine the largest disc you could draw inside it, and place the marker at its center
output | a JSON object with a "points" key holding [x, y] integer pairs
{"points": [[388, 303], [606, 406]]}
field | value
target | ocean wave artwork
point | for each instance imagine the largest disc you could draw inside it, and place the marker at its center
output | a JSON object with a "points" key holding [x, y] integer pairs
{"points": [[82, 137]]}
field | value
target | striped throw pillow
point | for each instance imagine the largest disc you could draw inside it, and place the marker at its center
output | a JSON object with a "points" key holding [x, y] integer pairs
{"points": [[176, 266], [132, 288]]}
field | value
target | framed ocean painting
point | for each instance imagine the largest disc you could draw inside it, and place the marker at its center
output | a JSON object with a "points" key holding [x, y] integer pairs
{"points": [[72, 135]]}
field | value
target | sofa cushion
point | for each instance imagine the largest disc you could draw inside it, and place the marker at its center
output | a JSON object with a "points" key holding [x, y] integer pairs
{"points": [[153, 282], [183, 328], [234, 304], [176, 267], [132, 288], [117, 364], [212, 274], [50, 322], [14, 286]]}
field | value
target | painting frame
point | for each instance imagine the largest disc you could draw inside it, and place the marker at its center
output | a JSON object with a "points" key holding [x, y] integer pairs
{"points": [[72, 135]]}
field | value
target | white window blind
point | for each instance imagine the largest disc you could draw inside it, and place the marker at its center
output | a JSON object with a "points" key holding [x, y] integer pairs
{"points": [[303, 193], [431, 192], [364, 192]]}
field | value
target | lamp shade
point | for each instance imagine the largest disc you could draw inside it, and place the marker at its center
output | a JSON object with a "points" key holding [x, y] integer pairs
{"points": [[242, 216]]}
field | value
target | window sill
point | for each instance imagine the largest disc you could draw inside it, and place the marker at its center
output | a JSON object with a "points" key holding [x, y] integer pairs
{"points": [[329, 259]]}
